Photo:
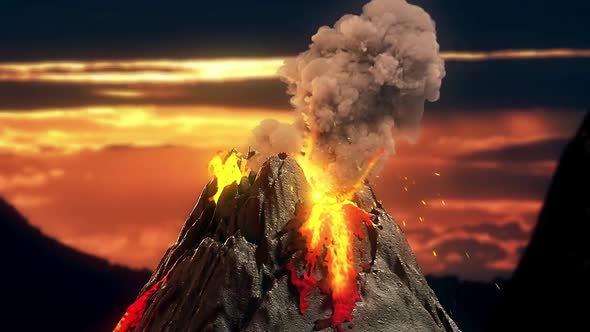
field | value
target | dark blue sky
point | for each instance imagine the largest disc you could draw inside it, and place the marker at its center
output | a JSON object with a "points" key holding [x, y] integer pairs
{"points": [[102, 29], [121, 29]]}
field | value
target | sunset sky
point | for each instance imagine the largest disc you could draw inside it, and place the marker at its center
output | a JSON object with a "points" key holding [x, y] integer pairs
{"points": [[109, 113]]}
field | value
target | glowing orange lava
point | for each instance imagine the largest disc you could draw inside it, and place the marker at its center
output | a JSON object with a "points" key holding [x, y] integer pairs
{"points": [[227, 169], [330, 227], [333, 222], [135, 311]]}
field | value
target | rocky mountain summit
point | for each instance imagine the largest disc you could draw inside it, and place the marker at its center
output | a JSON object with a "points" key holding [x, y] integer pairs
{"points": [[238, 266]]}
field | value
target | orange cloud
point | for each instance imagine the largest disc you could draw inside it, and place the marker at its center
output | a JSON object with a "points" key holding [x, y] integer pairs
{"points": [[71, 130], [517, 54], [500, 206], [143, 71], [124, 204], [212, 70], [29, 201], [120, 93], [119, 181]]}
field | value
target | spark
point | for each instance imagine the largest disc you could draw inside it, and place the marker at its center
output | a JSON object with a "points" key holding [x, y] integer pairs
{"points": [[423, 202], [434, 253]]}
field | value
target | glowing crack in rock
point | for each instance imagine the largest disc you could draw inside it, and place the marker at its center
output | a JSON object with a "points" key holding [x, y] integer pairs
{"points": [[135, 311]]}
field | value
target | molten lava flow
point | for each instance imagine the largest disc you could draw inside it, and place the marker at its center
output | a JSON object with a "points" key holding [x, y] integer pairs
{"points": [[134, 312], [227, 169], [329, 230]]}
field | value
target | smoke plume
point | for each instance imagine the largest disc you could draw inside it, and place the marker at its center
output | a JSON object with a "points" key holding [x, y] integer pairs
{"points": [[360, 85]]}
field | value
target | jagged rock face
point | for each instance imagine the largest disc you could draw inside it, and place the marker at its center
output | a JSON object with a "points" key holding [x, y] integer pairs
{"points": [[227, 270]]}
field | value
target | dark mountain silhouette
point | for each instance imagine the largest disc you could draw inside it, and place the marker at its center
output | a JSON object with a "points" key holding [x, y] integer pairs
{"points": [[550, 289], [47, 286], [470, 303]]}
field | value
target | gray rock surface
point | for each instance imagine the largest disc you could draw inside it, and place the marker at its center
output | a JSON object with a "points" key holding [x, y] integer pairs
{"points": [[227, 270]]}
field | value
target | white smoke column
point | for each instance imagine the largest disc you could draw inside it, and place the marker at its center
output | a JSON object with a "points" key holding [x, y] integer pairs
{"points": [[360, 85]]}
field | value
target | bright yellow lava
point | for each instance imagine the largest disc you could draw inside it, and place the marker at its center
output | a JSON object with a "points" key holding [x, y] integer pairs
{"points": [[328, 225], [227, 169]]}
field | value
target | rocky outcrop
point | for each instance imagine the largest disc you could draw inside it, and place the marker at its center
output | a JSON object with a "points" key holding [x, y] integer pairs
{"points": [[228, 269]]}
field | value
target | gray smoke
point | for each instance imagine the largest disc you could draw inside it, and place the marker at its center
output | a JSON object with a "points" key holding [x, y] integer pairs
{"points": [[359, 86]]}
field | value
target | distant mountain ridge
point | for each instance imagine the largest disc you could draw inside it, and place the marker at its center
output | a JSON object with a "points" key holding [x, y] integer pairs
{"points": [[48, 286]]}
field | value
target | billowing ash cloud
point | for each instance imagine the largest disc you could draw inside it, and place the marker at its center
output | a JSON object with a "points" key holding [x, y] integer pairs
{"points": [[360, 85]]}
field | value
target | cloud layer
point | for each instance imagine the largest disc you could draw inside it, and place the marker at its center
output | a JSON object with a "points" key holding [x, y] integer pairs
{"points": [[92, 180]]}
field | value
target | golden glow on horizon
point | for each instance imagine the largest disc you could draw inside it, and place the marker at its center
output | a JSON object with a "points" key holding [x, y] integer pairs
{"points": [[120, 93], [93, 128], [517, 54], [143, 71], [56, 191], [139, 92], [493, 206], [213, 70]]}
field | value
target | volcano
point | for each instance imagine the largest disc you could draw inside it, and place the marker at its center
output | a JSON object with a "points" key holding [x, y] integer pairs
{"points": [[241, 263]]}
